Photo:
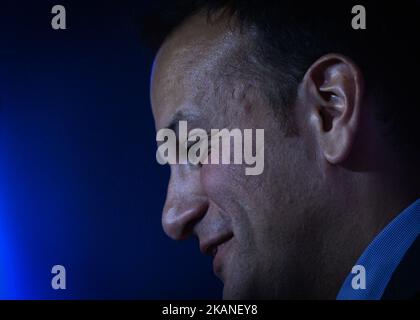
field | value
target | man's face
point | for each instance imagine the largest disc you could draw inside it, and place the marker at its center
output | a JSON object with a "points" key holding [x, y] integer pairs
{"points": [[263, 238]]}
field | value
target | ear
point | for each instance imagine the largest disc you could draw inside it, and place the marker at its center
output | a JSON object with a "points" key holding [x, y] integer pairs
{"points": [[333, 91]]}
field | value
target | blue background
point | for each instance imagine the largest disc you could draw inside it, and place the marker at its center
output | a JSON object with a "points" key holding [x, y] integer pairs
{"points": [[79, 183]]}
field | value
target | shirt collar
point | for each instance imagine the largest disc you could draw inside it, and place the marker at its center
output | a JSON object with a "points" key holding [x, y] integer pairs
{"points": [[383, 255]]}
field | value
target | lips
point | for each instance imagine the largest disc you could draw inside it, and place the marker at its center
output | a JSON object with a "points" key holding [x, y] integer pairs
{"points": [[217, 248]]}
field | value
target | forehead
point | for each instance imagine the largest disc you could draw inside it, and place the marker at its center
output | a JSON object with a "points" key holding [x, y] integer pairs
{"points": [[182, 68]]}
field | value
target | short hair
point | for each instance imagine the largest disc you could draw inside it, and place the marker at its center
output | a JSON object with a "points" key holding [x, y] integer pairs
{"points": [[291, 35]]}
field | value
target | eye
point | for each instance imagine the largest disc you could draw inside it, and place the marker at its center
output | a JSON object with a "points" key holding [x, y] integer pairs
{"points": [[202, 152]]}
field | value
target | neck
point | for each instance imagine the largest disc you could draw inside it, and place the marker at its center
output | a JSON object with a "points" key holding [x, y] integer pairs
{"points": [[365, 209]]}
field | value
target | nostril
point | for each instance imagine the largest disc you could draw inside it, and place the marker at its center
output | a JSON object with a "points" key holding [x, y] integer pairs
{"points": [[178, 222]]}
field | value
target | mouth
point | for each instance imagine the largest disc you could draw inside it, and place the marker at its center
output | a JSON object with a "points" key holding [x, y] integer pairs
{"points": [[217, 248]]}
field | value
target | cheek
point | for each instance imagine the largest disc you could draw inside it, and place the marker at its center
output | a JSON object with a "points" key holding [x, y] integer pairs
{"points": [[227, 188], [224, 182], [236, 195]]}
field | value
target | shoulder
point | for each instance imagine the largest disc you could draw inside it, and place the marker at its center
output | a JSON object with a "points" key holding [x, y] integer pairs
{"points": [[405, 281]]}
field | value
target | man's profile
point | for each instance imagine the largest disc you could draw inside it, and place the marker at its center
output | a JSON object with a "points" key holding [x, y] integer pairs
{"points": [[341, 175]]}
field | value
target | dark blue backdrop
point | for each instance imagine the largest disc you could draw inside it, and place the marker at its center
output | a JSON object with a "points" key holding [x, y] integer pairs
{"points": [[79, 183]]}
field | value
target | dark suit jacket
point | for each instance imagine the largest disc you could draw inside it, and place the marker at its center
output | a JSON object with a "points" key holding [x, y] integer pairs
{"points": [[405, 281]]}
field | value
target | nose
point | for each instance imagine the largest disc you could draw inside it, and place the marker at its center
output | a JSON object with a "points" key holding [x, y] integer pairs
{"points": [[185, 205]]}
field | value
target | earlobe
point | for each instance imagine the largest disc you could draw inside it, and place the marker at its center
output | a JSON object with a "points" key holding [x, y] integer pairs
{"points": [[334, 89]]}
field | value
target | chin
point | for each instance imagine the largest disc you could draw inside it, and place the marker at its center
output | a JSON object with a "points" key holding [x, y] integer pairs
{"points": [[238, 290], [229, 294]]}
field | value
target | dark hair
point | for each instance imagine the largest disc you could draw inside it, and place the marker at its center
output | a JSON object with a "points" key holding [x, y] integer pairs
{"points": [[291, 35]]}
